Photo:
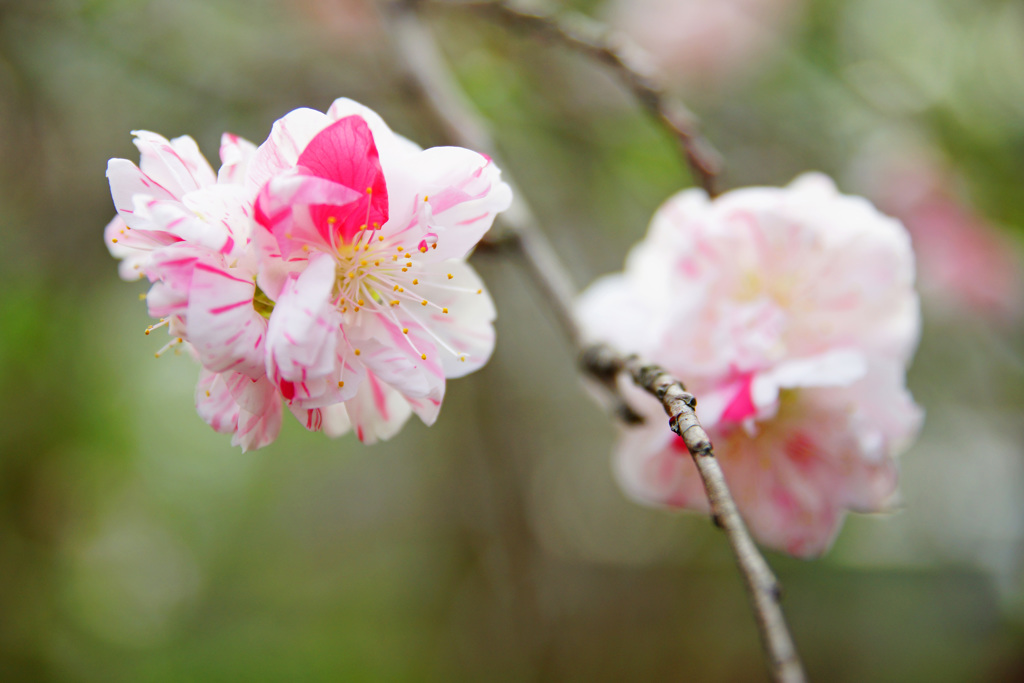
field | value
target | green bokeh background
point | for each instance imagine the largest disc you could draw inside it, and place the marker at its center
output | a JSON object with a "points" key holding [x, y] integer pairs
{"points": [[137, 545]]}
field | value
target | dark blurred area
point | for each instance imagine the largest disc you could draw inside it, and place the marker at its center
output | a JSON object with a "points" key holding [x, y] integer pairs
{"points": [[137, 545]]}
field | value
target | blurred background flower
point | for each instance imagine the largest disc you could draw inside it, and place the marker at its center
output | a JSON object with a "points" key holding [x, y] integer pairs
{"points": [[136, 545]]}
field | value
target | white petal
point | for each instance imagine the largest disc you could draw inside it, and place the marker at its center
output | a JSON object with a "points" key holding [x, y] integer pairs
{"points": [[392, 148], [288, 137], [236, 154], [377, 411], [464, 192], [223, 327], [177, 165], [304, 330], [466, 331]]}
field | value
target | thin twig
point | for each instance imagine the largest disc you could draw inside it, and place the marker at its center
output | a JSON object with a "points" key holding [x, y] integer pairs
{"points": [[581, 35], [426, 68], [605, 363], [432, 78]]}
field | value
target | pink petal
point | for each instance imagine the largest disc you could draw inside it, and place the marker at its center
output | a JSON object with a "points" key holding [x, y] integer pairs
{"points": [[345, 153], [295, 208]]}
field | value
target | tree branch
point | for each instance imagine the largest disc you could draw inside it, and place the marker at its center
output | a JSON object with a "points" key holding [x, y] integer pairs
{"points": [[586, 37], [427, 71]]}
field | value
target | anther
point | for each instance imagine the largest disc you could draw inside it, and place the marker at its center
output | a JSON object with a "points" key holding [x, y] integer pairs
{"points": [[341, 384], [415, 281], [395, 302], [423, 303], [361, 302], [444, 310], [423, 249], [396, 288], [405, 330], [423, 356], [114, 239], [380, 238], [332, 220], [450, 276], [362, 262], [357, 352], [401, 248]]}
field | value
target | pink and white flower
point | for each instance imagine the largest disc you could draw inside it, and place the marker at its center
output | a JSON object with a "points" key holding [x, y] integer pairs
{"points": [[791, 314], [362, 244], [324, 271]]}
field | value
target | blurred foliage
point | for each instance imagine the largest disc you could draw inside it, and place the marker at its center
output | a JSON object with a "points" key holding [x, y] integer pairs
{"points": [[136, 545]]}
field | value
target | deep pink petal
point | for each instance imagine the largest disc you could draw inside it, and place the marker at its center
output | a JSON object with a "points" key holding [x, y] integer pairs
{"points": [[292, 208], [344, 152]]}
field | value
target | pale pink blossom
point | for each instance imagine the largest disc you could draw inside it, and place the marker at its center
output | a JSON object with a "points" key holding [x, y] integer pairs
{"points": [[363, 245], [791, 314], [707, 43], [965, 262]]}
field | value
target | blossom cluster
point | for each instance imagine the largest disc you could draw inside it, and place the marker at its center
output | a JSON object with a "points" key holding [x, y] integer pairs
{"points": [[323, 271], [791, 314]]}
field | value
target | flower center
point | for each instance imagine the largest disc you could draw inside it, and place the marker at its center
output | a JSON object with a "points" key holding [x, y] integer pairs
{"points": [[375, 275]]}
